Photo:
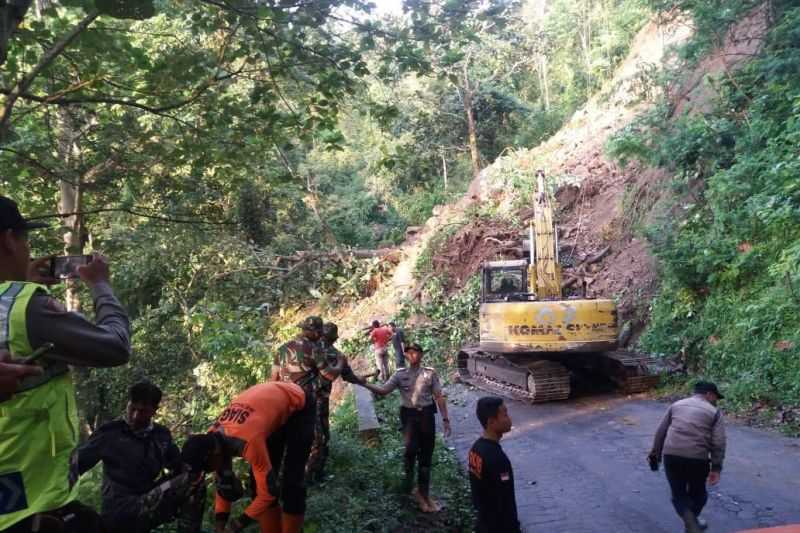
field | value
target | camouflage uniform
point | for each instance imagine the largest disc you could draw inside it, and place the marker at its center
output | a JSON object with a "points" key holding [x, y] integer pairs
{"points": [[298, 361], [322, 430], [335, 365]]}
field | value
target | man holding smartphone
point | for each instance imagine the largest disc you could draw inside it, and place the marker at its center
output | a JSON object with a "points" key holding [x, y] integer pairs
{"points": [[39, 420]]}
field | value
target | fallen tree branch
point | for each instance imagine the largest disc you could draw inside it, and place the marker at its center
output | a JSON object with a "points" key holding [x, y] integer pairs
{"points": [[308, 255], [596, 257], [569, 282]]}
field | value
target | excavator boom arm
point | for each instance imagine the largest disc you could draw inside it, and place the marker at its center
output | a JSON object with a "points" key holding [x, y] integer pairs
{"points": [[545, 243]]}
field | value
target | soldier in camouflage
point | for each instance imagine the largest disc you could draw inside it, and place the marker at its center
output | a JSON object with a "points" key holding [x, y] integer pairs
{"points": [[300, 361], [336, 366]]}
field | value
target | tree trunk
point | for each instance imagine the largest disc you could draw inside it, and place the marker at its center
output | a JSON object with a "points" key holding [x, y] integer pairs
{"points": [[71, 200], [313, 202], [544, 81], [585, 35], [475, 153], [444, 170]]}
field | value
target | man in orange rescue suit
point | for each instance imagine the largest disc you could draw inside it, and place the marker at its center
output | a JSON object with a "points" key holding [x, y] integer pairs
{"points": [[242, 430]]}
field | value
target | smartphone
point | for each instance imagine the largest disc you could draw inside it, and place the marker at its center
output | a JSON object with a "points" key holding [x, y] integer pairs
{"points": [[66, 267], [38, 353]]}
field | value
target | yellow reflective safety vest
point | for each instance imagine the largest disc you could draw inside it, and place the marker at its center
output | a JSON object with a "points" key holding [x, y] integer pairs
{"points": [[38, 425]]}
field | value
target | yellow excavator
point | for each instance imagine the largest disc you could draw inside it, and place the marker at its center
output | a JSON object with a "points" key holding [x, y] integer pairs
{"points": [[532, 338]]}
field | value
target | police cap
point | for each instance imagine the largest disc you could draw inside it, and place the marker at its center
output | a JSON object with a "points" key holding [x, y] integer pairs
{"points": [[703, 387]]}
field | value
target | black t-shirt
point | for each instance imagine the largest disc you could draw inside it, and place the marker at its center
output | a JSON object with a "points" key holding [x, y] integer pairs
{"points": [[398, 339], [491, 479]]}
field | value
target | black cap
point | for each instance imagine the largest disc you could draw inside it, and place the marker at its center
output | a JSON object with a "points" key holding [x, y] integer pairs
{"points": [[196, 451], [414, 346], [702, 387], [311, 323], [11, 218]]}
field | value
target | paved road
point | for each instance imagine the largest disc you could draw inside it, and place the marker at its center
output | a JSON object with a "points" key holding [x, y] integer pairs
{"points": [[580, 468]]}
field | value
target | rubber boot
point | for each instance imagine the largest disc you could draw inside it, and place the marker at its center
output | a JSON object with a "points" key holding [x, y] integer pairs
{"points": [[292, 523], [270, 521], [690, 521]]}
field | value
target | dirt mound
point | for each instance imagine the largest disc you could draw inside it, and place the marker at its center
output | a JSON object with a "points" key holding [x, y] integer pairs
{"points": [[477, 241]]}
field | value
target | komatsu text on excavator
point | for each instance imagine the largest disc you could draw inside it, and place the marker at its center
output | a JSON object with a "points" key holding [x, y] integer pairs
{"points": [[532, 337]]}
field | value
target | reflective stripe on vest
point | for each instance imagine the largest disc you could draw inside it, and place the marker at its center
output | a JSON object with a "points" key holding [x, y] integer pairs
{"points": [[38, 427]]}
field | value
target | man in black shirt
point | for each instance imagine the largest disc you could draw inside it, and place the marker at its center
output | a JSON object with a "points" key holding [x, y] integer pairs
{"points": [[491, 477], [135, 452], [399, 343]]}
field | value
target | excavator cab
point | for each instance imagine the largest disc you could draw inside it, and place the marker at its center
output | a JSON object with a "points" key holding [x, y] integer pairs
{"points": [[504, 281]]}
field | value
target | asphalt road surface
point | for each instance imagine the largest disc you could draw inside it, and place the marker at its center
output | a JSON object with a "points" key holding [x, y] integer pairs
{"points": [[580, 467]]}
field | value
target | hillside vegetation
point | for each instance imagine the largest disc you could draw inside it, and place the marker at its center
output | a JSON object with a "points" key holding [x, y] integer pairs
{"points": [[728, 245]]}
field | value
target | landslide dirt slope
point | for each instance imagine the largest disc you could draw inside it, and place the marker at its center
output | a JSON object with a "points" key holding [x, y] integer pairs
{"points": [[599, 203]]}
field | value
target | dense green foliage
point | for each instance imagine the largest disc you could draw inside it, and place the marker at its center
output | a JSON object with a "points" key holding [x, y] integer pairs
{"points": [[729, 249]]}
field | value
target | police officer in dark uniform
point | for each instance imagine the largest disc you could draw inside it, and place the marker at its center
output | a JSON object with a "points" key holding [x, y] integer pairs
{"points": [[421, 393]]}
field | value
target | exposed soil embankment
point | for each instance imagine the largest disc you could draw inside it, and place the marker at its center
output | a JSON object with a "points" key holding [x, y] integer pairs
{"points": [[601, 206]]}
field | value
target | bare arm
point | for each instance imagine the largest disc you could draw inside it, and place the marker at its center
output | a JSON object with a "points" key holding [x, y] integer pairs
{"points": [[333, 371], [441, 403], [380, 390]]}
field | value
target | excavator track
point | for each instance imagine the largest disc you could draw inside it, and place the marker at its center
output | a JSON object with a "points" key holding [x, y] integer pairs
{"points": [[542, 380], [632, 372], [535, 381]]}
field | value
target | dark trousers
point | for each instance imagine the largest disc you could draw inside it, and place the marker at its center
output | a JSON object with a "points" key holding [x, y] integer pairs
{"points": [[72, 518], [687, 479], [289, 448], [322, 436], [174, 499], [419, 435]]}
